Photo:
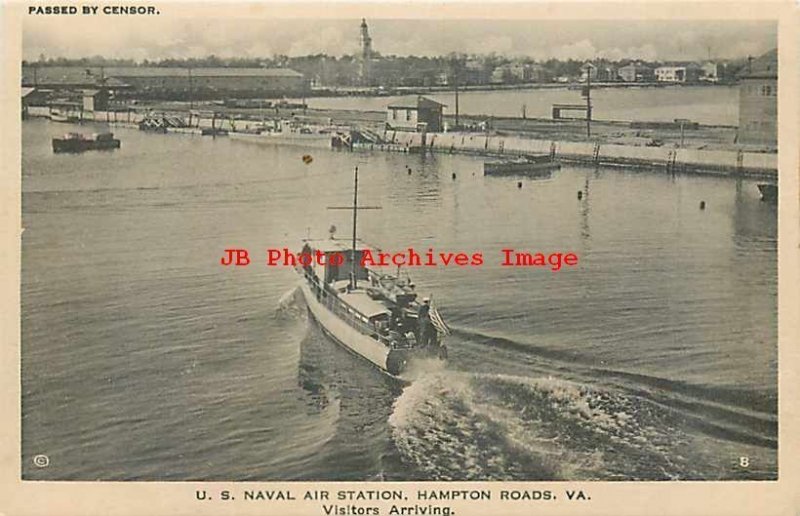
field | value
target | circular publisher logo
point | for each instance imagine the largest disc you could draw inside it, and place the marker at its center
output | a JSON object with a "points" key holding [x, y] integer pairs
{"points": [[41, 461]]}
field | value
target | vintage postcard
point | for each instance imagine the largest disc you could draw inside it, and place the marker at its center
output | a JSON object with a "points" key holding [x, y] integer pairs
{"points": [[400, 259]]}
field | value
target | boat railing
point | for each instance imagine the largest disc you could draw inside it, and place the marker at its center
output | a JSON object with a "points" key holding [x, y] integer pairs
{"points": [[329, 298]]}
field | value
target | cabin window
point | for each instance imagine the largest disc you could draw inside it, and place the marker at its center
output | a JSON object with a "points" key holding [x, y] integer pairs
{"points": [[394, 114], [408, 114]]}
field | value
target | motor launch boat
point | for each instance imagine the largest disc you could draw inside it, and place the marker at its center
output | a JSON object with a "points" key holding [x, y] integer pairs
{"points": [[373, 314], [77, 142]]}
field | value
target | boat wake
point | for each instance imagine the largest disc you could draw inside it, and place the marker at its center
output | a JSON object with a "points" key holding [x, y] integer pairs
{"points": [[460, 426], [291, 305]]}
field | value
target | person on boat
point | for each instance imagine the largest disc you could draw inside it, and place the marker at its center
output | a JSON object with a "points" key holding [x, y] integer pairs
{"points": [[424, 321], [396, 316]]}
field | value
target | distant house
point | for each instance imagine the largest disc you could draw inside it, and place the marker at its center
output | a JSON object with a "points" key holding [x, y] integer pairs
{"points": [[474, 73], [601, 72], [635, 72], [680, 74], [671, 74], [758, 101], [418, 114], [517, 73], [694, 72], [709, 72], [501, 74]]}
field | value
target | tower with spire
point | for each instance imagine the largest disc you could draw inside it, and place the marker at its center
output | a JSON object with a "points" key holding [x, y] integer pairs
{"points": [[366, 53]]}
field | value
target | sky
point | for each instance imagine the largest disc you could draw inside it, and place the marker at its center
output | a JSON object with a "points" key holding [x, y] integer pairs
{"points": [[158, 38]]}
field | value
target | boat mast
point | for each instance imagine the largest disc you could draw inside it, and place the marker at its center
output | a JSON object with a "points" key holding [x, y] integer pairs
{"points": [[355, 219], [355, 207]]}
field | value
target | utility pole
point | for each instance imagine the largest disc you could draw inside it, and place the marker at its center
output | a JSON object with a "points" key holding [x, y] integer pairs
{"points": [[191, 90], [589, 101], [455, 80]]}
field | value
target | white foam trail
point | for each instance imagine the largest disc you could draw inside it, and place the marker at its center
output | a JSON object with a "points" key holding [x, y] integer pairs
{"points": [[454, 425], [420, 368], [290, 304]]}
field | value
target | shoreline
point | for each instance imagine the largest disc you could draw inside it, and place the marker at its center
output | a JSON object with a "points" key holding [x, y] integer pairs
{"points": [[376, 92], [705, 150]]}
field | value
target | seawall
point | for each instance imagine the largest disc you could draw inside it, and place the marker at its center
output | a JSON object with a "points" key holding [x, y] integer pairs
{"points": [[733, 163]]}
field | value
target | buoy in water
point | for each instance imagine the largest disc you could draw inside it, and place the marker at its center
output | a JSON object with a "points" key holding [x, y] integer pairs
{"points": [[702, 205], [454, 175], [519, 184], [580, 195]]}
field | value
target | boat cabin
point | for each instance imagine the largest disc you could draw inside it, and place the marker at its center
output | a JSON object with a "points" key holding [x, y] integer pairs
{"points": [[337, 264], [382, 305]]}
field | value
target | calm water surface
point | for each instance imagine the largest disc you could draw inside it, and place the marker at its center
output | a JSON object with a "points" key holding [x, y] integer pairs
{"points": [[143, 358], [714, 105]]}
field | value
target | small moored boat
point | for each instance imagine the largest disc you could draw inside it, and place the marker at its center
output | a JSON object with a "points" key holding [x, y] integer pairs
{"points": [[769, 192], [58, 116], [77, 142]]}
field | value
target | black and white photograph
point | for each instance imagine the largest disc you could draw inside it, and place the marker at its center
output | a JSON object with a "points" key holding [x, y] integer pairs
{"points": [[376, 248]]}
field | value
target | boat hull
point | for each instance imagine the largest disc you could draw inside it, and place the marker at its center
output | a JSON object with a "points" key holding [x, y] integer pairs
{"points": [[64, 119], [70, 145], [390, 361], [324, 141]]}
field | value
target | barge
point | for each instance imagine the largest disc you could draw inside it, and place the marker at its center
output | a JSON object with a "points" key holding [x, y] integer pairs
{"points": [[77, 142]]}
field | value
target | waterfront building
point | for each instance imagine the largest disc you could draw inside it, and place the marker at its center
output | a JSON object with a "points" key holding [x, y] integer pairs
{"points": [[95, 100], [758, 101], [671, 74], [31, 97], [502, 75], [599, 72], [709, 72], [680, 73], [511, 73], [69, 77], [170, 82], [418, 114], [635, 72]]}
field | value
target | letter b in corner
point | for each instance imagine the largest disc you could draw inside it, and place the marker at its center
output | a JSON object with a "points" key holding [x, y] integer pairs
{"points": [[238, 257]]}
